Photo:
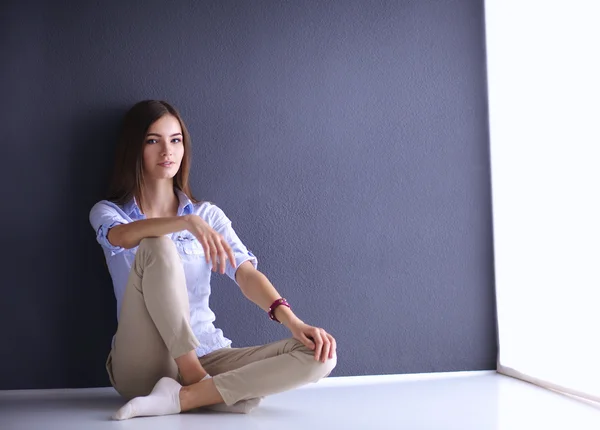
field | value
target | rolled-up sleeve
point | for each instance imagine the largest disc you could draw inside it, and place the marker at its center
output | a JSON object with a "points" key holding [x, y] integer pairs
{"points": [[104, 216], [222, 225]]}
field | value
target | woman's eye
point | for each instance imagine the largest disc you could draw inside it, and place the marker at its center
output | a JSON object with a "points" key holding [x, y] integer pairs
{"points": [[151, 141], [176, 140]]}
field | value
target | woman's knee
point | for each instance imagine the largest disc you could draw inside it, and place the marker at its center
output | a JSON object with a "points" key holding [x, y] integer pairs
{"points": [[329, 365], [161, 244], [315, 369], [162, 247]]}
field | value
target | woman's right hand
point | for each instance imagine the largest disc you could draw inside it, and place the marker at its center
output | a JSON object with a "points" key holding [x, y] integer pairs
{"points": [[213, 243]]}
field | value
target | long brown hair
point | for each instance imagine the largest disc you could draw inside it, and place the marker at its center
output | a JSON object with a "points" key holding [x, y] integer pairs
{"points": [[128, 173]]}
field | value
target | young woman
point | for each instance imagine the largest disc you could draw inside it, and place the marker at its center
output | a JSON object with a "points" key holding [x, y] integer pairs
{"points": [[160, 246]]}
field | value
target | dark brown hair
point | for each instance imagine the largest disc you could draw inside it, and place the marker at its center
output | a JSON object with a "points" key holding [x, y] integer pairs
{"points": [[128, 174]]}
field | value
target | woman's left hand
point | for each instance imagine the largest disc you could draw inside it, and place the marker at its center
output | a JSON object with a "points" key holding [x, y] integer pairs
{"points": [[316, 339]]}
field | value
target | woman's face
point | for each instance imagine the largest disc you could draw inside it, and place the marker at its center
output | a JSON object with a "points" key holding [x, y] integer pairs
{"points": [[163, 148]]}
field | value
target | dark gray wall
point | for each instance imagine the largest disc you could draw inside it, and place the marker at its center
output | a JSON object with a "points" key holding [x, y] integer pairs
{"points": [[347, 140]]}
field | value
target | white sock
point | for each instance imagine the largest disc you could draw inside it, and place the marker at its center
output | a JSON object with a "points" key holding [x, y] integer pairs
{"points": [[163, 400], [241, 407]]}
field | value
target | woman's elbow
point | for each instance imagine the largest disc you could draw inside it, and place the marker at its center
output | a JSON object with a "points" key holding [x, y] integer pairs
{"points": [[118, 237]]}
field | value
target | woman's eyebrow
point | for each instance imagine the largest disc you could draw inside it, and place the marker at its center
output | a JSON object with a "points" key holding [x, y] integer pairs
{"points": [[156, 134]]}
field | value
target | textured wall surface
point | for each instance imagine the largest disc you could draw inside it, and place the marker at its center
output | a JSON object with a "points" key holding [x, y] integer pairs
{"points": [[347, 141]]}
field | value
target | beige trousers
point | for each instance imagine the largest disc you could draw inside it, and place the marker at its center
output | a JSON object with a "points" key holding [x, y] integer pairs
{"points": [[154, 329]]}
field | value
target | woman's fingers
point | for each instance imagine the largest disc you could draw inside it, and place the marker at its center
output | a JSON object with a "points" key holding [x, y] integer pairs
{"points": [[225, 253], [333, 345], [316, 335], [229, 253], [205, 246], [326, 346], [307, 341], [216, 249], [222, 256], [214, 253]]}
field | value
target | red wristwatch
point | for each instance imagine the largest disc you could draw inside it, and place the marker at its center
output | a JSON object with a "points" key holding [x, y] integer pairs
{"points": [[276, 303]]}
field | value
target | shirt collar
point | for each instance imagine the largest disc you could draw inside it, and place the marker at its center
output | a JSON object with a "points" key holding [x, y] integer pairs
{"points": [[186, 206], [131, 206]]}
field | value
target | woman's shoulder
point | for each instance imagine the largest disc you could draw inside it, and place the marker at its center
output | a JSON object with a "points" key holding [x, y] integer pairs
{"points": [[104, 206], [211, 213], [107, 204]]}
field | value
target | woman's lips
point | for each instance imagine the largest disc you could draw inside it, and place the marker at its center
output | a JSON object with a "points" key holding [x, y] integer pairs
{"points": [[166, 164]]}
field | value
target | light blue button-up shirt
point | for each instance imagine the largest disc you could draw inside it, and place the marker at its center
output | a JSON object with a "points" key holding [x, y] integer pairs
{"points": [[105, 215]]}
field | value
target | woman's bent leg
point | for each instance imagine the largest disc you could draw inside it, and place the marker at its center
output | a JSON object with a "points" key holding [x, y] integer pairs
{"points": [[154, 326], [248, 373]]}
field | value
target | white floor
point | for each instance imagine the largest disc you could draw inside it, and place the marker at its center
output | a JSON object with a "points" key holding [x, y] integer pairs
{"points": [[463, 400]]}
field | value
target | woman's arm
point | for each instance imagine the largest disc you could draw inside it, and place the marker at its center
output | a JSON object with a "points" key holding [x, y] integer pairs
{"points": [[215, 246], [131, 234], [258, 289]]}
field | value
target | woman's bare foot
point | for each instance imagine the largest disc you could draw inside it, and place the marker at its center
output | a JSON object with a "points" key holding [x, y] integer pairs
{"points": [[193, 379], [200, 394], [190, 369]]}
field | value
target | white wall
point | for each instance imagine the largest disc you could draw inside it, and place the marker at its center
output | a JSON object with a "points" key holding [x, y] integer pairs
{"points": [[544, 99]]}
